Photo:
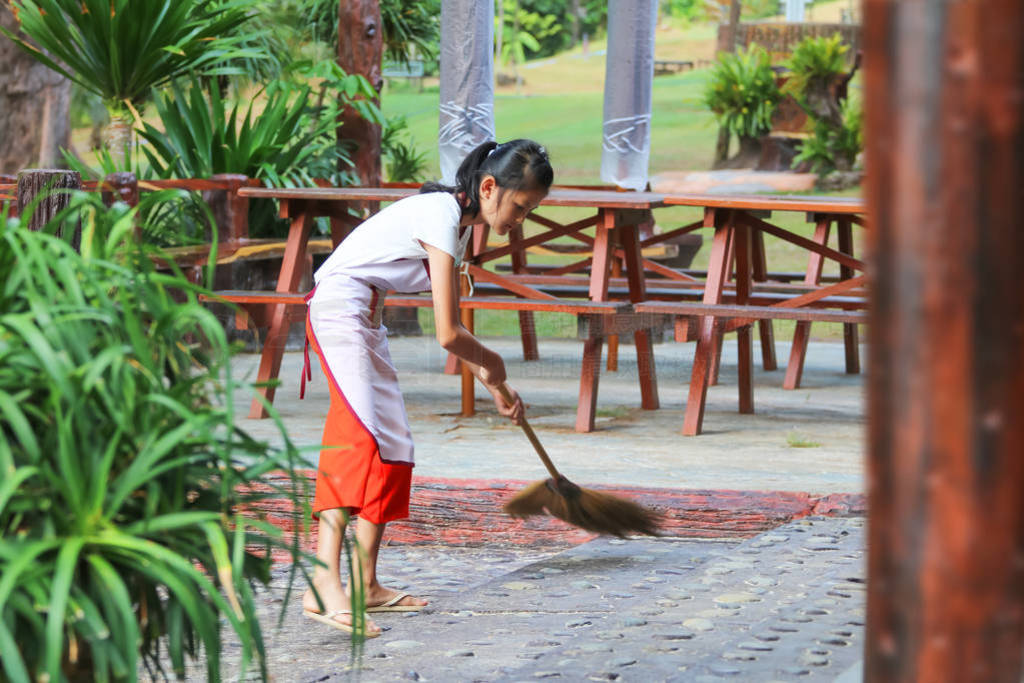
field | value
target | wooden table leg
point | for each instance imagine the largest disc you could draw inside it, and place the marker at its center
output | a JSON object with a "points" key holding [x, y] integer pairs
{"points": [[802, 332], [527, 326], [612, 363], [759, 266], [716, 359], [629, 238], [292, 265], [599, 273], [850, 335], [468, 388], [709, 329], [744, 348]]}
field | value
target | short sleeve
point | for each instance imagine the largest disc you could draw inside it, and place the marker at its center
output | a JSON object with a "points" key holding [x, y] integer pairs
{"points": [[438, 225]]}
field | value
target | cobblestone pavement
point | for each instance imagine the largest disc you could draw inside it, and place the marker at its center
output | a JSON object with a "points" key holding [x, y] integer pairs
{"points": [[786, 605]]}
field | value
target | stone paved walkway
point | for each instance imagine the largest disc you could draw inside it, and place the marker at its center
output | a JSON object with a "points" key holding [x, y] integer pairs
{"points": [[752, 585], [785, 605]]}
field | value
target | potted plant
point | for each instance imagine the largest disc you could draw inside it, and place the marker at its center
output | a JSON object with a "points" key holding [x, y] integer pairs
{"points": [[743, 94]]}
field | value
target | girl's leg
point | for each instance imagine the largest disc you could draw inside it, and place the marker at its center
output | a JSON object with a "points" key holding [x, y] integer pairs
{"points": [[368, 538], [327, 578]]}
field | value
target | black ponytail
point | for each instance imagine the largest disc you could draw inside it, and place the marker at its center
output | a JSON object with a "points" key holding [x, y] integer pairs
{"points": [[517, 165]]}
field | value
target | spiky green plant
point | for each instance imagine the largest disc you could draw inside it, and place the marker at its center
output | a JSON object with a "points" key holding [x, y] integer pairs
{"points": [[122, 49], [405, 164], [291, 141], [122, 538], [816, 59], [742, 92]]}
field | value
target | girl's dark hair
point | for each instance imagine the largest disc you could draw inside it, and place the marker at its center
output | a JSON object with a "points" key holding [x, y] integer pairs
{"points": [[516, 165]]}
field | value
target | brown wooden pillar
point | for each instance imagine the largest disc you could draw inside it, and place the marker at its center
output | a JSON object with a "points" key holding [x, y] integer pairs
{"points": [[360, 48], [48, 192], [944, 89]]}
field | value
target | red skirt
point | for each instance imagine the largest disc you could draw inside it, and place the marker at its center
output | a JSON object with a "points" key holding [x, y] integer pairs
{"points": [[351, 473]]}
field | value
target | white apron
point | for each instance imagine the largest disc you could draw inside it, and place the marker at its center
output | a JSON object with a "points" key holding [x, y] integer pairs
{"points": [[345, 316]]}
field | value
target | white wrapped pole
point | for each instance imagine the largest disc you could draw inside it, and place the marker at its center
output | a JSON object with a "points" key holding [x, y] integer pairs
{"points": [[467, 80], [629, 77]]}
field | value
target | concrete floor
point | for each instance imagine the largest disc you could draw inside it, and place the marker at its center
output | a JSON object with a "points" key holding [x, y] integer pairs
{"points": [[810, 440]]}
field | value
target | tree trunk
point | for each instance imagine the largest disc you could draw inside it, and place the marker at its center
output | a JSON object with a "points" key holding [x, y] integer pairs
{"points": [[117, 138], [945, 469], [727, 44], [360, 49], [47, 193], [499, 33], [34, 104], [574, 11], [515, 60]]}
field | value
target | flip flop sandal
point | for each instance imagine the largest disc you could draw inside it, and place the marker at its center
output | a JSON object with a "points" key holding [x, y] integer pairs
{"points": [[329, 619], [393, 606]]}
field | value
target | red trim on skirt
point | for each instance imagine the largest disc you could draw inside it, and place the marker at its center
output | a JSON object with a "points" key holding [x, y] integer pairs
{"points": [[353, 475]]}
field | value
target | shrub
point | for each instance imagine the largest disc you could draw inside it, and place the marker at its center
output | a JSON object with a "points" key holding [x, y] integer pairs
{"points": [[405, 164], [742, 92], [124, 477], [818, 82]]}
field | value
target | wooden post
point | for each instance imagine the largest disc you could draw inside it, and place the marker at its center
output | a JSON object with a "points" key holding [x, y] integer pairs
{"points": [[360, 48], [230, 211], [56, 186], [122, 187], [944, 90], [727, 43]]}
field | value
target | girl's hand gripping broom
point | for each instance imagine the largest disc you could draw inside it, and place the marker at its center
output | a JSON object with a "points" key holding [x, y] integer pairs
{"points": [[594, 511]]}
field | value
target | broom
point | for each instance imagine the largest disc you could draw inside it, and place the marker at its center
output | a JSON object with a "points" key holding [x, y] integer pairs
{"points": [[594, 511]]}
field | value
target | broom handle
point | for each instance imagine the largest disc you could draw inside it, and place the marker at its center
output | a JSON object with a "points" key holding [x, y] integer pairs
{"points": [[541, 453]]}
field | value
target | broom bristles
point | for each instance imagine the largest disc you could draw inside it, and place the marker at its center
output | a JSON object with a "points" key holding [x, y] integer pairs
{"points": [[596, 511]]}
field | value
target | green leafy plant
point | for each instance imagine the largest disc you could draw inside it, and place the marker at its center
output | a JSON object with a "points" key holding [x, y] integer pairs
{"points": [[742, 92], [834, 148], [407, 28], [122, 538], [405, 164], [122, 49], [290, 142], [814, 67], [818, 81], [521, 31]]}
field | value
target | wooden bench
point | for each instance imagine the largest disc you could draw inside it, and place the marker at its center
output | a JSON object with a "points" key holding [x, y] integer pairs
{"points": [[671, 66], [257, 309], [710, 321], [739, 315]]}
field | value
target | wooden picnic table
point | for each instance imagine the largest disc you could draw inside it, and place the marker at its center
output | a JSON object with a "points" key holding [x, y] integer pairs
{"points": [[616, 218], [739, 225]]}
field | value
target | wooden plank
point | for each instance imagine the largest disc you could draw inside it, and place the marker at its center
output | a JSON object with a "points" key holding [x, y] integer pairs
{"points": [[646, 372], [706, 335], [759, 273], [556, 197], [744, 349], [851, 340], [747, 314], [288, 281], [945, 589], [250, 298], [811, 204], [802, 333]]}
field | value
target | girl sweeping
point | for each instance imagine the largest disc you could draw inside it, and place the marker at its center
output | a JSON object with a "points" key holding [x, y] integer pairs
{"points": [[411, 246]]}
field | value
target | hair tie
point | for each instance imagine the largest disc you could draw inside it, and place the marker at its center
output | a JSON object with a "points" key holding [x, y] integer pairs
{"points": [[492, 151]]}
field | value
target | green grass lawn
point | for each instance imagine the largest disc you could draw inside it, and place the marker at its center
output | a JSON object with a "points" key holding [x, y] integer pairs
{"points": [[683, 131]]}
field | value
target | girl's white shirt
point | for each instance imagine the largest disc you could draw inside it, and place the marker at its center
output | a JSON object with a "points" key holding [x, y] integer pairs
{"points": [[386, 250]]}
